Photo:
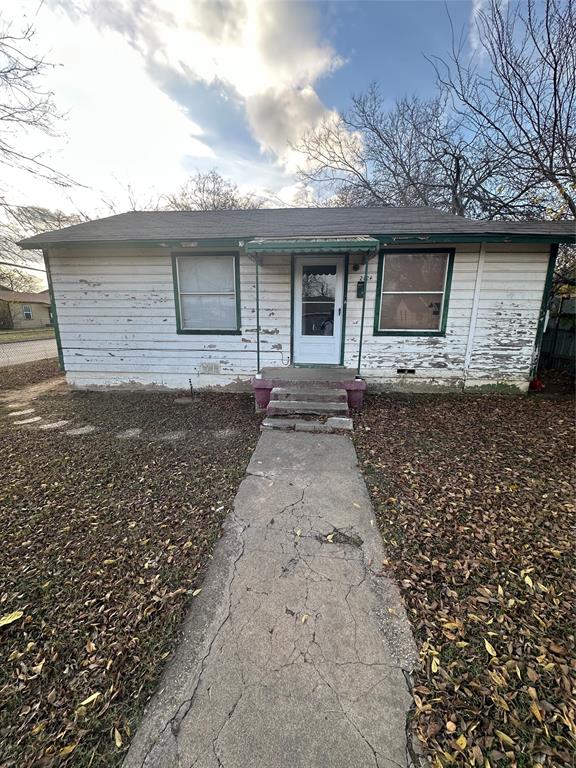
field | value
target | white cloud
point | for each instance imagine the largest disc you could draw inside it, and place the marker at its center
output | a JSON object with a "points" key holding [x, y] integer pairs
{"points": [[267, 54], [474, 37], [122, 129], [479, 8], [119, 127]]}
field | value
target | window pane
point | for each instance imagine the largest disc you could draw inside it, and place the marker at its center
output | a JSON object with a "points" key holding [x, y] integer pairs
{"points": [[319, 281], [210, 313], [410, 311], [414, 271], [206, 274]]}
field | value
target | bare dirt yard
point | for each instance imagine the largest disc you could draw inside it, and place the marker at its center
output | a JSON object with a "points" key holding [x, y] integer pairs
{"points": [[474, 497], [18, 376], [104, 540]]}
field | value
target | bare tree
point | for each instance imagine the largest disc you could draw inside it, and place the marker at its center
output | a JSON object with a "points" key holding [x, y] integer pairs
{"points": [[130, 199], [25, 107], [17, 280], [564, 278], [519, 94], [18, 222], [415, 153], [209, 191], [499, 140]]}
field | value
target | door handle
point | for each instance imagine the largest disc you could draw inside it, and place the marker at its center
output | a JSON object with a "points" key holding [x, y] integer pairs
{"points": [[339, 311]]}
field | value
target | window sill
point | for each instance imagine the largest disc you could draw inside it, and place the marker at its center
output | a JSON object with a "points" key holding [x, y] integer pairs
{"points": [[409, 333], [206, 332]]}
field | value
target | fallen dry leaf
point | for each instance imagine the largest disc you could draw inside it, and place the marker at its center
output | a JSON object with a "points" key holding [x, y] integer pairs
{"points": [[9, 618], [474, 497]]}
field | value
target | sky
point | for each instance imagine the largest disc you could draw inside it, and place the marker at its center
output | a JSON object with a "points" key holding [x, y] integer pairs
{"points": [[153, 90]]}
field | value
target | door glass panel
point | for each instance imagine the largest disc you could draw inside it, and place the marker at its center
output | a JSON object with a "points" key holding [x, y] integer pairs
{"points": [[318, 298]]}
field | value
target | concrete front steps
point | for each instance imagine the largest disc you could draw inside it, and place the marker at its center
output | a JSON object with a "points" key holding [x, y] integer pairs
{"points": [[287, 403], [307, 401], [331, 424]]}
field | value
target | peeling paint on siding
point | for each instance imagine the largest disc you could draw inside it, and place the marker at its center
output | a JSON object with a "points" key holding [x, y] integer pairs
{"points": [[117, 322]]}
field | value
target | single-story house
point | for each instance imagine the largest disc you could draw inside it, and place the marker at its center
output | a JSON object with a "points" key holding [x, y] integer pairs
{"points": [[410, 298], [22, 310]]}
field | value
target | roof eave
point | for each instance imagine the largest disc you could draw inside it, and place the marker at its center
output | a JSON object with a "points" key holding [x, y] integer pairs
{"points": [[476, 238], [396, 239]]}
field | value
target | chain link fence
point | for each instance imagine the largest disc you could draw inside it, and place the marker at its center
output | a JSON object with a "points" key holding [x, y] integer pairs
{"points": [[17, 348]]}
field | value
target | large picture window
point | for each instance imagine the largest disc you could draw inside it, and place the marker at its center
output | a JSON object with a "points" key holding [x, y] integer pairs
{"points": [[207, 292], [412, 292]]}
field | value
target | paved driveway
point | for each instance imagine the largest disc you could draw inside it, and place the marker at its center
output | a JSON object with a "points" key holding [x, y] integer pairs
{"points": [[27, 351]]}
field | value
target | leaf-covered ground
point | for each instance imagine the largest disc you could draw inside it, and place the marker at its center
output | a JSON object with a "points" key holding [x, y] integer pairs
{"points": [[18, 376], [103, 544], [475, 500]]}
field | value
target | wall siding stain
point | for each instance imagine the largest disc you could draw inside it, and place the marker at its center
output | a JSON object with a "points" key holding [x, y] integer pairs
{"points": [[118, 323]]}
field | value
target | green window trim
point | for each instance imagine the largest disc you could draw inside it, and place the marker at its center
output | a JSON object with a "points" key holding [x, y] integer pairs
{"points": [[205, 331], [445, 293]]}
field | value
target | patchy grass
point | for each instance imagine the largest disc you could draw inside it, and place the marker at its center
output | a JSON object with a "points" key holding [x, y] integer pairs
{"points": [[475, 500], [103, 544], [7, 337], [19, 376]]}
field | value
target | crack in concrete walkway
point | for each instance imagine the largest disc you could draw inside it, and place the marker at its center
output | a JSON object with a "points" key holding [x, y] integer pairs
{"points": [[294, 654]]}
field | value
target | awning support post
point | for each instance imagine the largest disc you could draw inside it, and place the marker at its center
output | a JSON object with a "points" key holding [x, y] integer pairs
{"points": [[257, 316], [363, 314]]}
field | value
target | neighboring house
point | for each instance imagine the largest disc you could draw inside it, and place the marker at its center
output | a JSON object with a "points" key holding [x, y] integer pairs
{"points": [[409, 298], [20, 310]]}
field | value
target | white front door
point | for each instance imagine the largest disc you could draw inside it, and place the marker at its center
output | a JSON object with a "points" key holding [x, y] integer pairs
{"points": [[318, 309]]}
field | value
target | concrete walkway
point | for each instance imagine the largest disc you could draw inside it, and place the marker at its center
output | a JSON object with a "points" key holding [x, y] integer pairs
{"points": [[293, 655]]}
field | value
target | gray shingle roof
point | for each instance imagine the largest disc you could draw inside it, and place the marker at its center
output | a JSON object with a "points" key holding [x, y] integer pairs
{"points": [[163, 226], [24, 297]]}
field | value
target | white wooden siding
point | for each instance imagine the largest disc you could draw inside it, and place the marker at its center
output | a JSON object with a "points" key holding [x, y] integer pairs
{"points": [[117, 322], [511, 288]]}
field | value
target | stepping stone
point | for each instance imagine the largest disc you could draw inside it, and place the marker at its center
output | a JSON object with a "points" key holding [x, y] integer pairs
{"points": [[173, 435], [340, 422], [22, 413], [29, 421], [55, 424], [81, 430], [134, 432], [12, 406]]}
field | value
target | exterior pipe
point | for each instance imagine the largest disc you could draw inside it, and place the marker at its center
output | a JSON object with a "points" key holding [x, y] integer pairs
{"points": [[257, 317], [363, 313]]}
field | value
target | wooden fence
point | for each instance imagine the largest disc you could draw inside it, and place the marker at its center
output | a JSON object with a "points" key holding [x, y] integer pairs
{"points": [[559, 342]]}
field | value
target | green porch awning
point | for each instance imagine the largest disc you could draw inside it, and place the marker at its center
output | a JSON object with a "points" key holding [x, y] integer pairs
{"points": [[312, 245]]}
